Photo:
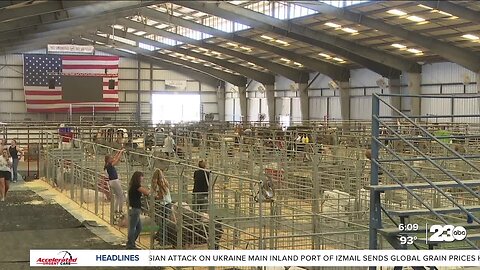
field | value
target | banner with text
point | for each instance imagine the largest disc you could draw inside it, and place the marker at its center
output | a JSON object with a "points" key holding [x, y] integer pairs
{"points": [[189, 258]]}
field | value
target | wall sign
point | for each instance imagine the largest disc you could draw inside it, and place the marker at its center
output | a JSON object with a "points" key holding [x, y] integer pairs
{"points": [[176, 84], [70, 48]]}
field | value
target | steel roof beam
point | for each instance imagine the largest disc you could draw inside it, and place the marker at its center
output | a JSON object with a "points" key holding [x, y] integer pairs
{"points": [[463, 57], [10, 3], [288, 72], [455, 9], [52, 34], [151, 60], [59, 27], [333, 71], [251, 73], [83, 14], [38, 8], [222, 75], [345, 48]]}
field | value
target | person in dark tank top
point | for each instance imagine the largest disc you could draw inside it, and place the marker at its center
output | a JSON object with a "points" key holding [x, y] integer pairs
{"points": [[114, 182], [135, 192]]}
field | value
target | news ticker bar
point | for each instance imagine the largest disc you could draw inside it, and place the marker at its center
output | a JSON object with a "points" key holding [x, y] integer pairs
{"points": [[186, 258]]}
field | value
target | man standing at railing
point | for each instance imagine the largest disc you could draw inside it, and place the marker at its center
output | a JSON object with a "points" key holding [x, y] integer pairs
{"points": [[169, 145], [201, 178]]}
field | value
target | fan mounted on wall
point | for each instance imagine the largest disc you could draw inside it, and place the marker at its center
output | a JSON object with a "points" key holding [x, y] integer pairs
{"points": [[333, 85], [382, 84]]}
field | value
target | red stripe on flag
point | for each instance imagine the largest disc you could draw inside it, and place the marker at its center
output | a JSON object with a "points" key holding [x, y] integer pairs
{"points": [[82, 109], [42, 93], [90, 57], [36, 101], [90, 67], [106, 83], [111, 92]]}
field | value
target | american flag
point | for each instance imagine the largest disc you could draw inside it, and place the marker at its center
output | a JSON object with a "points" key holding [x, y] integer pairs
{"points": [[40, 68]]}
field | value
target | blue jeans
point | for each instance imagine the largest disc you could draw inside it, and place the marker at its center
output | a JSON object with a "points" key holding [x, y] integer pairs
{"points": [[14, 169], [134, 226]]}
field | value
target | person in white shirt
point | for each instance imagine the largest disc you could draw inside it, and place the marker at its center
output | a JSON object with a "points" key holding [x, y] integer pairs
{"points": [[169, 145], [5, 175]]}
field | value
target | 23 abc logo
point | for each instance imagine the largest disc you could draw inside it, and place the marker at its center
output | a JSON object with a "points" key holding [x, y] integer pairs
{"points": [[447, 233]]}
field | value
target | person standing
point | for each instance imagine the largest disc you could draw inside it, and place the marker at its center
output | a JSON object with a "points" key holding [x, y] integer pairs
{"points": [[159, 137], [135, 192], [169, 145], [161, 190], [163, 204], [201, 178], [5, 175], [114, 182], [16, 154]]}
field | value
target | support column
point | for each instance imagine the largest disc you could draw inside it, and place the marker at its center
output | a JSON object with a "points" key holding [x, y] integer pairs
{"points": [[221, 101], [270, 95], [344, 88], [139, 86], [304, 101], [414, 81], [242, 95], [394, 86], [478, 82]]}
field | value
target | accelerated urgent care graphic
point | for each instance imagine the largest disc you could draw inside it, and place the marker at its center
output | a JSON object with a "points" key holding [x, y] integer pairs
{"points": [[185, 258]]}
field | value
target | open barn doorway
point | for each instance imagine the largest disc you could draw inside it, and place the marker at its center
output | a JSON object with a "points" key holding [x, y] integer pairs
{"points": [[175, 108]]}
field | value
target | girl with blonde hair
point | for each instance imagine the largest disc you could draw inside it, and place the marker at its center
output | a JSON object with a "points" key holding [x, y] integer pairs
{"points": [[161, 190], [163, 205]]}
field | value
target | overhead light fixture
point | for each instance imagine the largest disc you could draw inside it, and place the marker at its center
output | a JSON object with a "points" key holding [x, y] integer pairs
{"points": [[252, 64], [266, 37], [325, 55], [424, 22], [246, 48], [444, 13], [285, 59], [338, 59], [216, 53], [297, 64], [232, 44], [415, 18], [140, 33], [471, 37], [396, 12], [203, 49], [349, 30], [415, 51], [334, 25], [423, 6], [398, 46], [284, 43]]}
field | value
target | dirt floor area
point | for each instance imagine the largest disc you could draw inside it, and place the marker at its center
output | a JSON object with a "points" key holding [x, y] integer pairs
{"points": [[30, 219]]}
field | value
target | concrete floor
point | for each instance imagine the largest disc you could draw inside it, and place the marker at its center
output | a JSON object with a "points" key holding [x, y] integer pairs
{"points": [[32, 218]]}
